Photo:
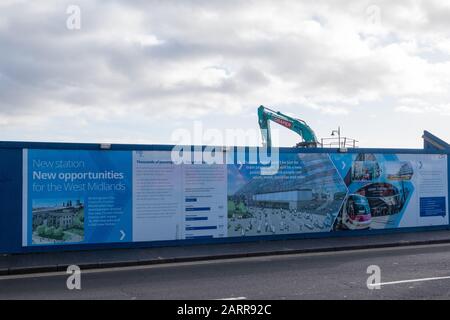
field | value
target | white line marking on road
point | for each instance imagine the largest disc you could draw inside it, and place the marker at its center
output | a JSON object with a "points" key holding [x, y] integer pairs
{"points": [[408, 281], [236, 298]]}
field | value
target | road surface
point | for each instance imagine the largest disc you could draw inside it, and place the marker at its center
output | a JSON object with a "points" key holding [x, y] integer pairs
{"points": [[339, 275]]}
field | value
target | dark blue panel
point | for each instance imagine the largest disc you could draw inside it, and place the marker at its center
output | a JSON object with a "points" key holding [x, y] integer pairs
{"points": [[432, 206], [196, 218], [198, 209], [10, 200]]}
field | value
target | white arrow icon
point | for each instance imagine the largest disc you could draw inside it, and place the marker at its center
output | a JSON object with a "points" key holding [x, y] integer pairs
{"points": [[122, 235], [343, 165]]}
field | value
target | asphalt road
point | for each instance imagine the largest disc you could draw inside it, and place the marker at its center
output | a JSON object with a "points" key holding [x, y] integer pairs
{"points": [[339, 275]]}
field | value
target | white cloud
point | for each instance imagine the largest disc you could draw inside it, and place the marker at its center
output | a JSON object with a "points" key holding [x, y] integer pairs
{"points": [[178, 61]]}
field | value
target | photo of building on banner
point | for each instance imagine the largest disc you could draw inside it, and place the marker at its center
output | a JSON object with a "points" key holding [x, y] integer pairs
{"points": [[304, 196]]}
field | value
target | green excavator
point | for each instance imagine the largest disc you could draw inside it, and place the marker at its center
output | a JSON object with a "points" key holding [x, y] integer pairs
{"points": [[298, 126]]}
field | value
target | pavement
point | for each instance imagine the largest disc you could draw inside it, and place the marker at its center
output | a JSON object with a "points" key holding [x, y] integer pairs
{"points": [[97, 259], [411, 272]]}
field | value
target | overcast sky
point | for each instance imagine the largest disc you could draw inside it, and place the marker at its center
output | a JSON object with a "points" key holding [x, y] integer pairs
{"points": [[138, 70]]}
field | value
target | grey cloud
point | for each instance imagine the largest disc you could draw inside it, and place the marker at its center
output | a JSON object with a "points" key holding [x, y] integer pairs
{"points": [[43, 65]]}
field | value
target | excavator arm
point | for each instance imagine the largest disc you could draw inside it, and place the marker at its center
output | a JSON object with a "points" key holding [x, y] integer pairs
{"points": [[299, 126]]}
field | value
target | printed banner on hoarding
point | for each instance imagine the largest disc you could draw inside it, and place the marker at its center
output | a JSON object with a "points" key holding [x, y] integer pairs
{"points": [[73, 197], [76, 197]]}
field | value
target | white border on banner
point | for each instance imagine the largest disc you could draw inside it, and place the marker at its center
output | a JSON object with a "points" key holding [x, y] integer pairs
{"points": [[25, 197]]}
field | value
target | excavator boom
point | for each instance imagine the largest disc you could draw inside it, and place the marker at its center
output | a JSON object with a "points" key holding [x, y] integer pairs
{"points": [[299, 126]]}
